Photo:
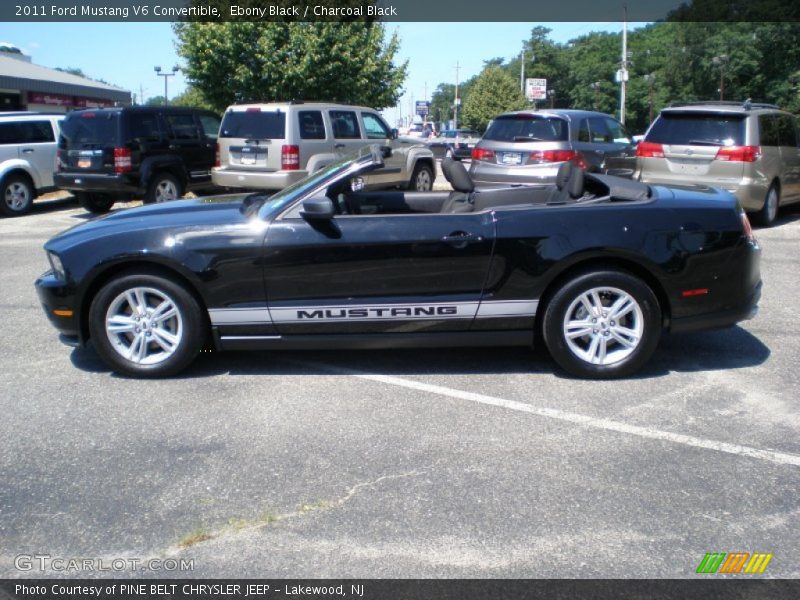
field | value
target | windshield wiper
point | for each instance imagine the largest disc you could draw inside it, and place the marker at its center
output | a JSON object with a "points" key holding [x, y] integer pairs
{"points": [[704, 143], [524, 138]]}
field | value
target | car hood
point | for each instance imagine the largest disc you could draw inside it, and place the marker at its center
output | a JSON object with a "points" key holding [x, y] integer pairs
{"points": [[178, 215]]}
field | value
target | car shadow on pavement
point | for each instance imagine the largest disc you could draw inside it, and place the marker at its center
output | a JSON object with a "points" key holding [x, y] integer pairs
{"points": [[732, 348], [53, 204]]}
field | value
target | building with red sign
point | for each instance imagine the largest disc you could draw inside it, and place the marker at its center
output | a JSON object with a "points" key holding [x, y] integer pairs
{"points": [[27, 86]]}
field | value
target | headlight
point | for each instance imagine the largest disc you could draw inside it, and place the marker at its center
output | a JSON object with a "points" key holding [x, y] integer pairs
{"points": [[55, 263]]}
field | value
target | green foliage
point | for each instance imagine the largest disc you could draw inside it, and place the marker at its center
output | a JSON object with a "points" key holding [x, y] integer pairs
{"points": [[267, 62], [154, 101], [192, 97], [493, 92]]}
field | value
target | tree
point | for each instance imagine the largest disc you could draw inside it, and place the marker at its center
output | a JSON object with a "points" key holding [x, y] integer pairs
{"points": [[266, 62], [72, 71], [154, 101], [192, 97], [493, 92]]}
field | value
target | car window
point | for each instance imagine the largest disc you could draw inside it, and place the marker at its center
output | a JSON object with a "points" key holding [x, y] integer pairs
{"points": [[697, 128], [36, 132], [374, 127], [144, 126], [617, 131], [583, 131], [768, 130], [254, 124], [210, 124], [312, 126], [182, 126], [522, 128], [345, 125], [449, 134], [598, 129], [90, 128], [10, 133], [787, 131]]}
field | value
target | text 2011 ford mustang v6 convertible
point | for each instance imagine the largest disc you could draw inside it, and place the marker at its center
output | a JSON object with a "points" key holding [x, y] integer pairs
{"points": [[598, 266]]}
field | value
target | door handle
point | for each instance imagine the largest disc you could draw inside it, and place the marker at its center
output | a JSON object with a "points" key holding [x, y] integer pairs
{"points": [[338, 146], [28, 151], [174, 147], [462, 238]]}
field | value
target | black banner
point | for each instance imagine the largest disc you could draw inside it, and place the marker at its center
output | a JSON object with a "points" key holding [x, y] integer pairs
{"points": [[402, 589]]}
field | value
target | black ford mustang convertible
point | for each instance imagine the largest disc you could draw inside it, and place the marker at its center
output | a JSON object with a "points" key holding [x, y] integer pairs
{"points": [[596, 267]]}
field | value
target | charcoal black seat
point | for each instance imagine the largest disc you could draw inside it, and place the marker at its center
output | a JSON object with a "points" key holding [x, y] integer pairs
{"points": [[461, 198], [570, 184]]}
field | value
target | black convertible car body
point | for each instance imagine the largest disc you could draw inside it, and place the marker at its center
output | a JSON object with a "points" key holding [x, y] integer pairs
{"points": [[598, 266]]}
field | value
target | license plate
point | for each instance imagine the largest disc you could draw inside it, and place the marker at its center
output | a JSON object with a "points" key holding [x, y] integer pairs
{"points": [[84, 163], [248, 160], [512, 158]]}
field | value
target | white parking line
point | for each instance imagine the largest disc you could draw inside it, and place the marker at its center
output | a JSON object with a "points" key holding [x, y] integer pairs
{"points": [[780, 458]]}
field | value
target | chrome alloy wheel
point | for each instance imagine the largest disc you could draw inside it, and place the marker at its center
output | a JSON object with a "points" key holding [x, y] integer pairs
{"points": [[423, 183], [772, 204], [144, 325], [603, 325], [17, 196], [166, 191]]}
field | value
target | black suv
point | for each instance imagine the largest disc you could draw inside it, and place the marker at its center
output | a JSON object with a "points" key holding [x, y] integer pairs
{"points": [[158, 153]]}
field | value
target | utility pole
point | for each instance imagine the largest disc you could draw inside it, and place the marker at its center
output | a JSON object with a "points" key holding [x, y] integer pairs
{"points": [[522, 71], [455, 104], [624, 69]]}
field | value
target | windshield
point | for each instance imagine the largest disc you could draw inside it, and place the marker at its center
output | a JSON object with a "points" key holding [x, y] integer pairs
{"points": [[90, 129], [254, 124], [527, 128], [289, 194], [697, 129]]}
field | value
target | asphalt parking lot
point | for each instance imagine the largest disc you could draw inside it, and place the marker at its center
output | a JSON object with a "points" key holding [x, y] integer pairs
{"points": [[436, 463]]}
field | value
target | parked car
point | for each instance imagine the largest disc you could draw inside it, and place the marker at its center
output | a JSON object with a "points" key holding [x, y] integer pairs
{"points": [[28, 143], [749, 149], [599, 265], [271, 146], [528, 147], [108, 154], [455, 143]]}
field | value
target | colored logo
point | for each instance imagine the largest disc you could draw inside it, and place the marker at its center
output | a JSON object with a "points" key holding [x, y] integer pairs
{"points": [[734, 562]]}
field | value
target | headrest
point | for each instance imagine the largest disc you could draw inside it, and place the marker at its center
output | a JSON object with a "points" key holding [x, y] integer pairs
{"points": [[460, 179], [447, 165], [564, 171], [575, 185]]}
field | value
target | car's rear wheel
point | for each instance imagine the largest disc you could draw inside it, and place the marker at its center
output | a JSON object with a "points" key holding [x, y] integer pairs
{"points": [[163, 187], [602, 324], [95, 203], [421, 179], [17, 196], [146, 325], [769, 212]]}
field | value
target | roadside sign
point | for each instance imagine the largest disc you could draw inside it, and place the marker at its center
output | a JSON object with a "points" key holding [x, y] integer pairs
{"points": [[535, 89], [423, 107]]}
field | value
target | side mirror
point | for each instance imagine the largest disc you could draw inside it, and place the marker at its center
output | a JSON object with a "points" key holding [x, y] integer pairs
{"points": [[395, 134], [318, 209], [386, 151]]}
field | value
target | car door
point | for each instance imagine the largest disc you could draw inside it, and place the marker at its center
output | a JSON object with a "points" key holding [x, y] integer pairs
{"points": [[386, 274], [209, 131], [378, 132], [790, 157], [186, 141], [611, 147], [346, 131], [38, 149]]}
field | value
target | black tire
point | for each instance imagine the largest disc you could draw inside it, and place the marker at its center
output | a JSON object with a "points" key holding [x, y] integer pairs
{"points": [[769, 212], [95, 203], [163, 187], [16, 195], [612, 358], [422, 178], [152, 338]]}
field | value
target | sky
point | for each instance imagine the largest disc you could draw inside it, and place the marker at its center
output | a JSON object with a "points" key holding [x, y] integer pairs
{"points": [[124, 54]]}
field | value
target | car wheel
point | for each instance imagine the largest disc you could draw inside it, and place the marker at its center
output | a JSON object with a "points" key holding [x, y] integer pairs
{"points": [[95, 203], [422, 179], [769, 212], [163, 188], [602, 324], [146, 325], [17, 196], [449, 154]]}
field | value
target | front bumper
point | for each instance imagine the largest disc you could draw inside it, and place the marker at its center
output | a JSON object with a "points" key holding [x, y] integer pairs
{"points": [[59, 304]]}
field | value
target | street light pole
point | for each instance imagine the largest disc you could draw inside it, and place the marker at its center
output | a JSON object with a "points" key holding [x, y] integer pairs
{"points": [[455, 105], [650, 78], [721, 60], [166, 75]]}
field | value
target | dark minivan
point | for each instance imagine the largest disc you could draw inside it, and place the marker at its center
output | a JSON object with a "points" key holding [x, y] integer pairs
{"points": [[158, 153]]}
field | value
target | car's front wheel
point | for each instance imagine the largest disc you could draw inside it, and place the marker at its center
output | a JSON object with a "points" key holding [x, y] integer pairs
{"points": [[146, 325], [602, 324], [17, 194], [163, 188], [421, 179], [95, 203]]}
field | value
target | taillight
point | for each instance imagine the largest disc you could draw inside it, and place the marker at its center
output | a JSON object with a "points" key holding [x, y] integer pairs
{"points": [[122, 160], [552, 156], [747, 229], [739, 153], [482, 154], [649, 150], [217, 160], [290, 157]]}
